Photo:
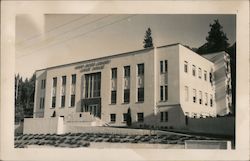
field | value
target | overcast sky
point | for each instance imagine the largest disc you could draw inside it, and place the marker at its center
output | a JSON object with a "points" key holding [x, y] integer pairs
{"points": [[48, 40]]}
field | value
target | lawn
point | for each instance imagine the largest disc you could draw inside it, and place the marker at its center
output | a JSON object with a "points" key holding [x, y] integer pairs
{"points": [[76, 140]]}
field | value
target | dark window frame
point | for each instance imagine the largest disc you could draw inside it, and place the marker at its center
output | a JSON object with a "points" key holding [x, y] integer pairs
{"points": [[113, 97], [126, 96], [140, 95]]}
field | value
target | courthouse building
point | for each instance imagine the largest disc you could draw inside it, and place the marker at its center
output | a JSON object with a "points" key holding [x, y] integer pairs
{"points": [[162, 86]]}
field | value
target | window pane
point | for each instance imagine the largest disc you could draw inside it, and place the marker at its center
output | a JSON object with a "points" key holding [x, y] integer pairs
{"points": [[166, 65], [140, 117], [63, 80], [161, 66], [166, 116], [162, 116], [140, 94], [127, 71], [54, 82], [161, 93], [126, 95], [112, 117], [114, 73], [185, 67], [124, 117], [72, 100], [194, 70], [74, 79], [113, 96], [54, 101], [63, 101], [140, 69], [166, 93]]}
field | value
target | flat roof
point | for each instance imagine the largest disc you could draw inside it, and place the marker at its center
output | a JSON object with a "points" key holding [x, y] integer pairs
{"points": [[117, 55]]}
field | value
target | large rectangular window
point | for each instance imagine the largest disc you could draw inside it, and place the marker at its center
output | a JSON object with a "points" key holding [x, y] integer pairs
{"points": [[140, 95], [140, 117], [54, 81], [166, 92], [43, 84], [211, 100], [194, 95], [63, 80], [194, 70], [140, 69], [53, 102], [42, 103], [126, 95], [205, 75], [199, 73], [92, 85], [112, 117], [113, 97], [72, 100], [200, 95], [127, 71], [206, 99], [73, 79], [161, 93], [166, 66], [62, 101], [161, 66], [114, 73], [125, 117], [185, 66]]}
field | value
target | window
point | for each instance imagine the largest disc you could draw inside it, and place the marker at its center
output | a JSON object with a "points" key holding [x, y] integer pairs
{"points": [[200, 99], [63, 101], [205, 75], [140, 95], [140, 117], [72, 100], [194, 95], [166, 93], [53, 101], [210, 77], [54, 82], [194, 70], [161, 93], [126, 95], [199, 73], [166, 66], [114, 73], [164, 116], [63, 80], [73, 78], [186, 93], [113, 97], [43, 84], [185, 66], [42, 103], [125, 117], [112, 117], [206, 99], [127, 71], [140, 68], [161, 66], [211, 100]]}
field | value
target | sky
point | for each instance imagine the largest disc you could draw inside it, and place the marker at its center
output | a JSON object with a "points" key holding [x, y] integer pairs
{"points": [[54, 39]]}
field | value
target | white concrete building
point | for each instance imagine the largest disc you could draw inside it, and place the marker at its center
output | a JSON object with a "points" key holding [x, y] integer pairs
{"points": [[162, 86]]}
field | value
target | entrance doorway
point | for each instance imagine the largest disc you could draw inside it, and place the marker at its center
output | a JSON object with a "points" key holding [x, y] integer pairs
{"points": [[93, 109]]}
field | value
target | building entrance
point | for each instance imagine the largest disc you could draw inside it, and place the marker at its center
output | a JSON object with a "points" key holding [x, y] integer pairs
{"points": [[93, 109]]}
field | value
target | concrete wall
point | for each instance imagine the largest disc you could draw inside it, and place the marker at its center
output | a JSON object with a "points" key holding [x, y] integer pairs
{"points": [[216, 126], [43, 125], [194, 82]]}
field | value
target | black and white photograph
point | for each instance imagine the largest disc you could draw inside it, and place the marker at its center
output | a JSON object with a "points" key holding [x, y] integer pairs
{"points": [[108, 80]]}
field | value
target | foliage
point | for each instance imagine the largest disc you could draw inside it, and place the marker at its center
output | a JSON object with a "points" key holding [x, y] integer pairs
{"points": [[148, 40], [216, 40], [24, 97], [129, 119]]}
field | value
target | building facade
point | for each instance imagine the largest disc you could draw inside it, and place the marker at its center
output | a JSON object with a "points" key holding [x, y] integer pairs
{"points": [[161, 86]]}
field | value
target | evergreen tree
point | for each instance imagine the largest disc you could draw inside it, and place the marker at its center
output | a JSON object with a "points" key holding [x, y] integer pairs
{"points": [[148, 41], [129, 119], [216, 40]]}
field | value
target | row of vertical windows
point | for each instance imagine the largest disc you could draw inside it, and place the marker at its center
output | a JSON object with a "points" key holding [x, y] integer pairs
{"points": [[199, 71], [126, 92], [140, 117], [64, 81], [200, 100]]}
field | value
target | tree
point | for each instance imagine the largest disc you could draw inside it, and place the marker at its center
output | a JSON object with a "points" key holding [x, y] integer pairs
{"points": [[129, 119], [216, 40], [148, 41]]}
